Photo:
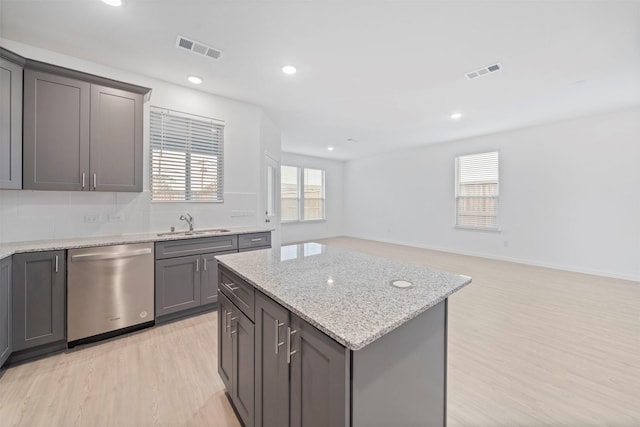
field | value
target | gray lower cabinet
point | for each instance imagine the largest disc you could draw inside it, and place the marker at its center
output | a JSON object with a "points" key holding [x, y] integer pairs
{"points": [[5, 310], [10, 120], [300, 371], [79, 135], [187, 273], [38, 296], [177, 284], [236, 357]]}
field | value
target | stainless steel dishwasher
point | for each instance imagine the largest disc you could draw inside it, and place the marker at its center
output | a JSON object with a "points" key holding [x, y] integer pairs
{"points": [[109, 288]]}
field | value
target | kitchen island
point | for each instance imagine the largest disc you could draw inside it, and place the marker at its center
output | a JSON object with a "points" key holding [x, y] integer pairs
{"points": [[316, 335]]}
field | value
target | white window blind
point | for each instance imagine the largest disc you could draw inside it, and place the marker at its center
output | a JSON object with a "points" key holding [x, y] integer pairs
{"points": [[477, 191], [186, 157]]}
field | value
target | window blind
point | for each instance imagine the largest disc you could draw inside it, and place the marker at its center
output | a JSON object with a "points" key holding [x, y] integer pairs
{"points": [[477, 191], [186, 157]]}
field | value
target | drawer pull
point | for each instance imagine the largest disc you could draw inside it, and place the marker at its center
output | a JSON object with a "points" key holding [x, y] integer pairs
{"points": [[229, 286], [257, 240]]}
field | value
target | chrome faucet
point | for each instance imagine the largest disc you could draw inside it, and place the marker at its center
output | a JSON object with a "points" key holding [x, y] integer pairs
{"points": [[189, 220]]}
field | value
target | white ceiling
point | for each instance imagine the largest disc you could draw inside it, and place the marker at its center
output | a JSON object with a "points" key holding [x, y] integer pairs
{"points": [[386, 73]]}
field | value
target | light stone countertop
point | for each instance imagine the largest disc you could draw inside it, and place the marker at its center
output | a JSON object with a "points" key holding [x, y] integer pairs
{"points": [[8, 249], [345, 294]]}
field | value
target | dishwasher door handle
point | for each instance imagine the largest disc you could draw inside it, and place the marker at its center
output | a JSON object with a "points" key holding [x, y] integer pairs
{"points": [[110, 255]]}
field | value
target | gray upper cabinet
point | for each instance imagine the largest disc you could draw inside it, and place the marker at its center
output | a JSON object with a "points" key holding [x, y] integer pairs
{"points": [[10, 120], [56, 132], [5, 310], [38, 295], [116, 139], [80, 133]]}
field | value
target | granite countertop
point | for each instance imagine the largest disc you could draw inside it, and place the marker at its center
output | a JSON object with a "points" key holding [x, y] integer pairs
{"points": [[8, 249], [345, 294]]}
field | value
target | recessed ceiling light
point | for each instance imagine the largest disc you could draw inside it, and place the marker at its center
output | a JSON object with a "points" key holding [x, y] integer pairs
{"points": [[330, 148], [195, 80], [456, 116], [289, 69], [113, 2]]}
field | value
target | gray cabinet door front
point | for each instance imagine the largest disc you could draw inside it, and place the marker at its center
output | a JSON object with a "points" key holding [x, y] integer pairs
{"points": [[209, 278], [56, 132], [5, 310], [318, 378], [116, 140], [272, 369], [242, 394], [10, 125], [225, 342], [177, 284], [38, 295]]}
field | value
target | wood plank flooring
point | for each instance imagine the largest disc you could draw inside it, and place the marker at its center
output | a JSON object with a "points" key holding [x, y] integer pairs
{"points": [[528, 346]]}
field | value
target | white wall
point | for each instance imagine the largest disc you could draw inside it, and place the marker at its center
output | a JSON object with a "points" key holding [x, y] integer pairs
{"points": [[569, 195], [333, 225], [33, 215]]}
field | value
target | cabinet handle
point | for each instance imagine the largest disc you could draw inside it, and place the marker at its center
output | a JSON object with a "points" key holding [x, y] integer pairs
{"points": [[197, 265], [227, 323], [289, 352], [233, 332], [228, 285], [257, 240], [277, 343], [83, 176], [95, 180], [56, 263], [204, 264]]}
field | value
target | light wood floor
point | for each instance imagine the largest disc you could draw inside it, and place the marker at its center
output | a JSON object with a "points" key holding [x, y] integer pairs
{"points": [[528, 346]]}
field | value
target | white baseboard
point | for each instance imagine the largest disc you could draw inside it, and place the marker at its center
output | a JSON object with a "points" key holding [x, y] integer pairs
{"points": [[575, 269]]}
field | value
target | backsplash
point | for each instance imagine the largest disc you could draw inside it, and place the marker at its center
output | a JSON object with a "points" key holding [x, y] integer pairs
{"points": [[39, 215]]}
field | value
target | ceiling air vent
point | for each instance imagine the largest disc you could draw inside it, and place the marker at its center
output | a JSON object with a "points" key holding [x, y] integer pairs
{"points": [[197, 47], [484, 71]]}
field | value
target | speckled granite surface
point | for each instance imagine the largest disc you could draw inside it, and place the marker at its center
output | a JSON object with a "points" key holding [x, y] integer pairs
{"points": [[9, 249], [345, 294]]}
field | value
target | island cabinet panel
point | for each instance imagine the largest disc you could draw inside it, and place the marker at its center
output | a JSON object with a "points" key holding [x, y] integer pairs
{"points": [[177, 284], [225, 342], [242, 395], [38, 296], [318, 378], [5, 310], [272, 368]]}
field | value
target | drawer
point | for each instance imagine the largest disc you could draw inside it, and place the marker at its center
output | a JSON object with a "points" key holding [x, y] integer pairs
{"points": [[197, 246], [241, 293], [254, 240]]}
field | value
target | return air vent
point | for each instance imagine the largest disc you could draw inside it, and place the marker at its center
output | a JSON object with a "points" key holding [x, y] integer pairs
{"points": [[484, 71], [197, 47]]}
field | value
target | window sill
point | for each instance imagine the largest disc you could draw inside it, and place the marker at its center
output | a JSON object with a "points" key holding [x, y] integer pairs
{"points": [[486, 230], [304, 221]]}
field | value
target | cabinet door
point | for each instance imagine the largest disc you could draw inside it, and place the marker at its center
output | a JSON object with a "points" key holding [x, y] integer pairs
{"points": [[209, 278], [272, 369], [116, 140], [56, 132], [242, 390], [225, 342], [318, 377], [38, 295], [5, 310], [177, 284], [10, 125]]}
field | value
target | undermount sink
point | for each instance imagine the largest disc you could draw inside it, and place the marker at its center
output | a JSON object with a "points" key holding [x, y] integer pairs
{"points": [[194, 232]]}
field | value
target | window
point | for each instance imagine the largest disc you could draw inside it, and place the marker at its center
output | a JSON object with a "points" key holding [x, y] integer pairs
{"points": [[302, 194], [186, 157], [477, 191]]}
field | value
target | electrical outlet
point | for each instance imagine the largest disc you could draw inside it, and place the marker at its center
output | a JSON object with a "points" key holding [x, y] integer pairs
{"points": [[91, 218], [119, 217]]}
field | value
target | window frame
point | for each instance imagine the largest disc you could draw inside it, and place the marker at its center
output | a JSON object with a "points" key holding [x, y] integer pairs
{"points": [[457, 197], [217, 150], [300, 195]]}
